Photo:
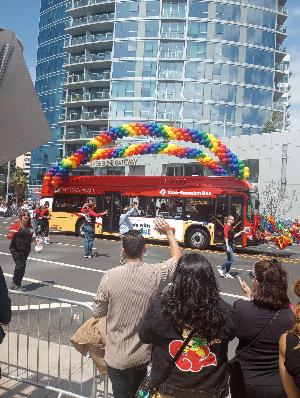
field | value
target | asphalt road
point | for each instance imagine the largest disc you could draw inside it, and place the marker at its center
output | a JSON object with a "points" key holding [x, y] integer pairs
{"points": [[60, 271]]}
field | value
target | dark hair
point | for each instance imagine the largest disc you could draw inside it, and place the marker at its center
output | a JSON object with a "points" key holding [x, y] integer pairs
{"points": [[193, 299], [295, 329], [272, 285], [133, 244], [25, 213]]}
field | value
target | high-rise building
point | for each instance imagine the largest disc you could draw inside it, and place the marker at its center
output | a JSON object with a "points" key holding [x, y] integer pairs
{"points": [[49, 74], [213, 65]]}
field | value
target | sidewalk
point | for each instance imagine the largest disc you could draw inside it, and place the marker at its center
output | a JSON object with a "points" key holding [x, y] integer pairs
{"points": [[70, 366], [272, 250]]}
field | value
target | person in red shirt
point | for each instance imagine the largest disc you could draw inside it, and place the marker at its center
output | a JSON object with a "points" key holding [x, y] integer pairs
{"points": [[229, 236], [90, 216], [21, 237], [44, 220]]}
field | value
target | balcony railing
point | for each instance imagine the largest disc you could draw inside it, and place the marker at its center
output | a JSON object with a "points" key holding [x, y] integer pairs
{"points": [[80, 135], [282, 10], [95, 115], [172, 35], [100, 95], [75, 41], [281, 66], [281, 48], [77, 59], [171, 54], [173, 14], [91, 19], [169, 74], [73, 78], [84, 116], [83, 3]]}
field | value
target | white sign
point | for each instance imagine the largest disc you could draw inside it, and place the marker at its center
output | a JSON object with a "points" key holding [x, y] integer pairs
{"points": [[146, 227], [114, 162]]}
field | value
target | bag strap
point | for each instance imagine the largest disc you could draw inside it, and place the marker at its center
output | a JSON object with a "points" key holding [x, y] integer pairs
{"points": [[168, 369], [256, 337]]}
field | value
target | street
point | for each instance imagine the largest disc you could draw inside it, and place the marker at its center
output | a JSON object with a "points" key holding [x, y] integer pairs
{"points": [[61, 272]]}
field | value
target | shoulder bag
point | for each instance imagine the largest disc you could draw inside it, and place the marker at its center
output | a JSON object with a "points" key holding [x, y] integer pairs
{"points": [[148, 389], [236, 378]]}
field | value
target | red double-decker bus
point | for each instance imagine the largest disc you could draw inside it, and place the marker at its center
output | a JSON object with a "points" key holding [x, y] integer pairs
{"points": [[194, 206]]}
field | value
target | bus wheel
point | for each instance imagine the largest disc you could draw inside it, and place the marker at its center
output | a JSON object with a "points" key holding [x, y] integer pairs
{"points": [[79, 229], [197, 238]]}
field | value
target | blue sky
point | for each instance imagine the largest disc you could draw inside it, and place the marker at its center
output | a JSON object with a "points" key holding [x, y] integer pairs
{"points": [[22, 16]]}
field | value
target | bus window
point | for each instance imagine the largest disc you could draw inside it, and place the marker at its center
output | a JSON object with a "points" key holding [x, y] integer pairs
{"points": [[237, 210], [199, 209], [169, 208], [69, 203]]}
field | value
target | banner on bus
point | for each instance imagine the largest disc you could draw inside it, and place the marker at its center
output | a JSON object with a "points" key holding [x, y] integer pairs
{"points": [[179, 192], [147, 228]]}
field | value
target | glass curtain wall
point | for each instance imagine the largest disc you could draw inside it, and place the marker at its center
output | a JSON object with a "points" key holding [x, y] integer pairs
{"points": [[49, 78], [197, 63]]}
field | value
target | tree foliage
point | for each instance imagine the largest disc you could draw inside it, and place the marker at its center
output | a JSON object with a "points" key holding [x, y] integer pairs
{"points": [[277, 200], [19, 183]]}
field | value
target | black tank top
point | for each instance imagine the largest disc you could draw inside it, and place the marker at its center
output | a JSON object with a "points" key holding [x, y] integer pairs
{"points": [[292, 357]]}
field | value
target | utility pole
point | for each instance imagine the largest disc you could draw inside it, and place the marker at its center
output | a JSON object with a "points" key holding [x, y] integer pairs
{"points": [[7, 180]]}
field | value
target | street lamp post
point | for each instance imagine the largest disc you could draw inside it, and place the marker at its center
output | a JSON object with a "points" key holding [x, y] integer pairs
{"points": [[7, 181]]}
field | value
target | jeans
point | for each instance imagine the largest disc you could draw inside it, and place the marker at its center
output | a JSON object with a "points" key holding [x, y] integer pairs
{"points": [[89, 239], [230, 258], [126, 382], [45, 228], [264, 392], [20, 259]]}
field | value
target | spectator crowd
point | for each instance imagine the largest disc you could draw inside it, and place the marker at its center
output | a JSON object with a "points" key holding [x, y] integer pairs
{"points": [[170, 317], [168, 329]]}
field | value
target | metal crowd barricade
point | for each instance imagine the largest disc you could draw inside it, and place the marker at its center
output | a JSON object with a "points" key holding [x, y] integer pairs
{"points": [[37, 349]]}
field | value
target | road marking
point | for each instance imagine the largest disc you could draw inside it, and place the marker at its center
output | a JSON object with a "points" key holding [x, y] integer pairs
{"points": [[209, 251], [69, 289], [41, 260], [45, 306]]}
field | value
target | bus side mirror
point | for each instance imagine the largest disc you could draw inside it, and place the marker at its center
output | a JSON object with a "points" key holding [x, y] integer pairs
{"points": [[257, 203]]}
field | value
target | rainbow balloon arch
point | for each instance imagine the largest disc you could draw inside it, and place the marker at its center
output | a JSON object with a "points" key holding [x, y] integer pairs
{"points": [[98, 148]]}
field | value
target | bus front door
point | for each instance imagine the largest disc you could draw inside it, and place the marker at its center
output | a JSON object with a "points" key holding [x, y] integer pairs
{"points": [[236, 209], [221, 211], [111, 203]]}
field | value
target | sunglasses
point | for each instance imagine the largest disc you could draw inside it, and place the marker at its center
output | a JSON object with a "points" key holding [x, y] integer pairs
{"points": [[251, 275]]}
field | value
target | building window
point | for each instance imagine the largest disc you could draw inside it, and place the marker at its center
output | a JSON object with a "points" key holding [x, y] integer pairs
{"points": [[126, 29], [169, 90], [168, 110], [122, 89], [228, 12], [196, 50], [194, 70], [124, 69], [197, 30], [172, 30], [284, 164], [253, 165], [171, 49], [192, 111], [148, 88], [193, 90], [227, 32], [173, 9], [170, 70], [199, 9]]}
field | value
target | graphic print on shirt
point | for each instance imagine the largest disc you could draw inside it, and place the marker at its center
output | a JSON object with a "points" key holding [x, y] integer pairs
{"points": [[195, 356]]}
